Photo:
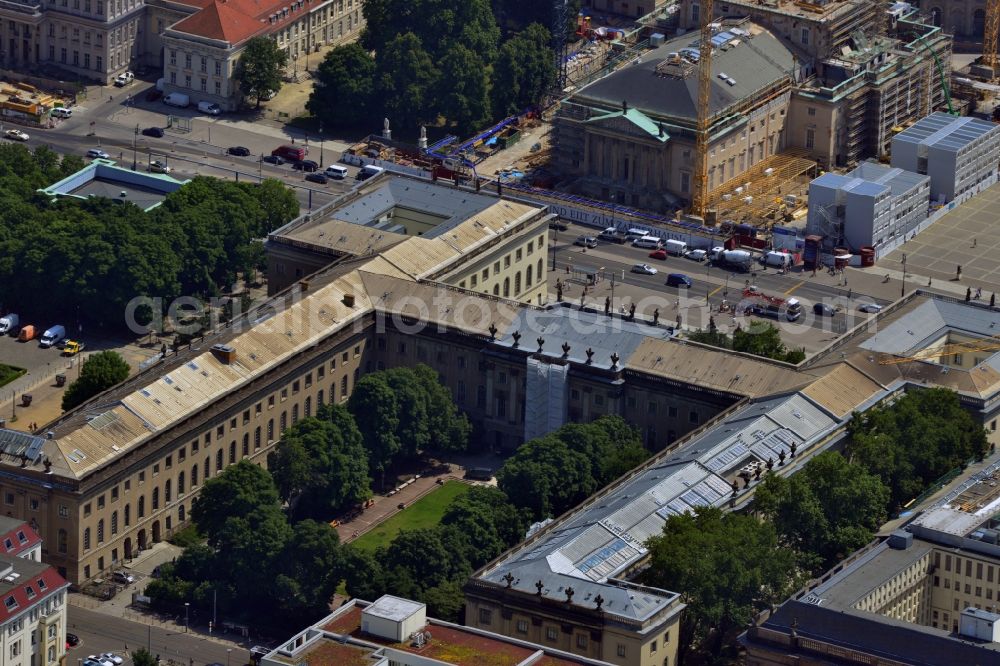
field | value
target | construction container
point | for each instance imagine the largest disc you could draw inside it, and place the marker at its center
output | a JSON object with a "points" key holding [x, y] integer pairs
{"points": [[867, 256]]}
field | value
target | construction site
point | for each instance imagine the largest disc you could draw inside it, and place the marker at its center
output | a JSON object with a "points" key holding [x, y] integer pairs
{"points": [[722, 127]]}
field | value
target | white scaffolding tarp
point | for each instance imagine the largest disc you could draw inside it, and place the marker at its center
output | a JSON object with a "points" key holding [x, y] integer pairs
{"points": [[545, 398]]}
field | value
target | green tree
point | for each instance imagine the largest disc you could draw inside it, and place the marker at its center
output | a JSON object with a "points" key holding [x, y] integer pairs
{"points": [[482, 524], [915, 440], [363, 573], [344, 85], [142, 657], [547, 477], [726, 566], [277, 203], [524, 72], [310, 566], [376, 412], [260, 67], [405, 81], [715, 338], [100, 372], [320, 466], [464, 89], [242, 491], [449, 428], [830, 507], [445, 601]]}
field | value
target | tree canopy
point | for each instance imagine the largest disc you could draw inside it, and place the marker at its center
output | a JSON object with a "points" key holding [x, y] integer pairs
{"points": [[260, 67], [760, 338], [726, 566], [554, 473], [421, 61], [830, 507], [915, 440], [100, 372]]}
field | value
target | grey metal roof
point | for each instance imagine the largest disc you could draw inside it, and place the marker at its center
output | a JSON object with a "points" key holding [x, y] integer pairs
{"points": [[452, 205], [17, 443], [900, 181], [865, 187], [753, 63], [930, 320], [582, 330], [607, 535], [943, 130]]}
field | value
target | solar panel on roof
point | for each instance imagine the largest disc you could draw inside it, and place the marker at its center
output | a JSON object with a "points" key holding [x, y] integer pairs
{"points": [[717, 484]]}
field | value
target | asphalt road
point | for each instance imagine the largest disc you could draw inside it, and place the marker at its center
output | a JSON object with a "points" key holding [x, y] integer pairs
{"points": [[186, 157], [709, 281], [100, 632]]}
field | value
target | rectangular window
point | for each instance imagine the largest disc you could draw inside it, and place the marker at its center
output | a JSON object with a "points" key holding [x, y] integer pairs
{"points": [[551, 633], [485, 616], [522, 626], [621, 650]]}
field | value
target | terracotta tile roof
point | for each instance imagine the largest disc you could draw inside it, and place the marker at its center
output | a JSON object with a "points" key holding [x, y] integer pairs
{"points": [[223, 21], [18, 539]]}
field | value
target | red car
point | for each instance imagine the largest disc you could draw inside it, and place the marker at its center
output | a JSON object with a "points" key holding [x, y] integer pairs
{"points": [[658, 254]]}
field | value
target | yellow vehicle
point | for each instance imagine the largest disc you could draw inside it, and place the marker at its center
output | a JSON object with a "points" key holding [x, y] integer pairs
{"points": [[72, 348]]}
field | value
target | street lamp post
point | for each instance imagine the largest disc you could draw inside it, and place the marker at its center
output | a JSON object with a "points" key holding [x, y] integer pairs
{"points": [[320, 145], [902, 288], [135, 138], [229, 651], [555, 241], [187, 616]]}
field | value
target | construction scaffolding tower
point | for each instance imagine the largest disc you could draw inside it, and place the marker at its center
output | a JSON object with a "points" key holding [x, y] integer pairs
{"points": [[991, 31], [699, 199], [560, 24]]}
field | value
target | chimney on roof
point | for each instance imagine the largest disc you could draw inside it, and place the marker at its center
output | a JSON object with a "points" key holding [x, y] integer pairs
{"points": [[349, 300], [304, 285], [225, 353]]}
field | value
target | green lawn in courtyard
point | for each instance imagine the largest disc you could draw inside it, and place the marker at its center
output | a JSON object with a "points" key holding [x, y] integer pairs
{"points": [[425, 512]]}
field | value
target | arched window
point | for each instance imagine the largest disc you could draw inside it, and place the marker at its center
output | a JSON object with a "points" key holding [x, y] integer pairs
{"points": [[194, 476], [539, 271], [218, 461], [167, 491], [141, 509], [307, 408], [180, 513], [156, 499], [319, 398], [128, 515], [86, 539], [506, 287], [283, 425], [180, 484], [246, 445], [62, 541], [496, 290], [295, 414], [517, 283], [270, 430], [100, 531], [114, 523], [232, 452], [206, 468], [527, 277], [256, 437]]}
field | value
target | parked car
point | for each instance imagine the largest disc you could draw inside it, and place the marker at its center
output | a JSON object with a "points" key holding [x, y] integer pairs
{"points": [[277, 160], [211, 108], [239, 151], [94, 659], [586, 241], [158, 166], [317, 177], [696, 255], [153, 95], [124, 79], [870, 308], [72, 640], [115, 659], [658, 254], [290, 153], [823, 310], [95, 153], [558, 225], [153, 132], [305, 165], [61, 112], [16, 135], [53, 336], [678, 280], [123, 577], [644, 269]]}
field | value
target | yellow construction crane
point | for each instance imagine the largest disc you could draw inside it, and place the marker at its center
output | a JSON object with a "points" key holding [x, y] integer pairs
{"points": [[987, 344], [699, 198], [991, 31]]}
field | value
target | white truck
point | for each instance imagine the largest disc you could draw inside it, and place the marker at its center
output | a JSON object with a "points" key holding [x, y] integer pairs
{"points": [[9, 324], [777, 259], [740, 260], [675, 247]]}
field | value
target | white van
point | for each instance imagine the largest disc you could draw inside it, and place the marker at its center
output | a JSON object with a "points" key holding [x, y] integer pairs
{"points": [[778, 259], [211, 108], [675, 247], [61, 112], [177, 99], [8, 323], [336, 172], [636, 233], [53, 336], [648, 242]]}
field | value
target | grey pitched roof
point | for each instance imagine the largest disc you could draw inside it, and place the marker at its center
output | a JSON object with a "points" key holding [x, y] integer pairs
{"points": [[606, 536], [752, 62], [932, 319]]}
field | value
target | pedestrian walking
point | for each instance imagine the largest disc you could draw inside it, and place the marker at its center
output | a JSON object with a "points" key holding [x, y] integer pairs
{"points": [[974, 240], [979, 293]]}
